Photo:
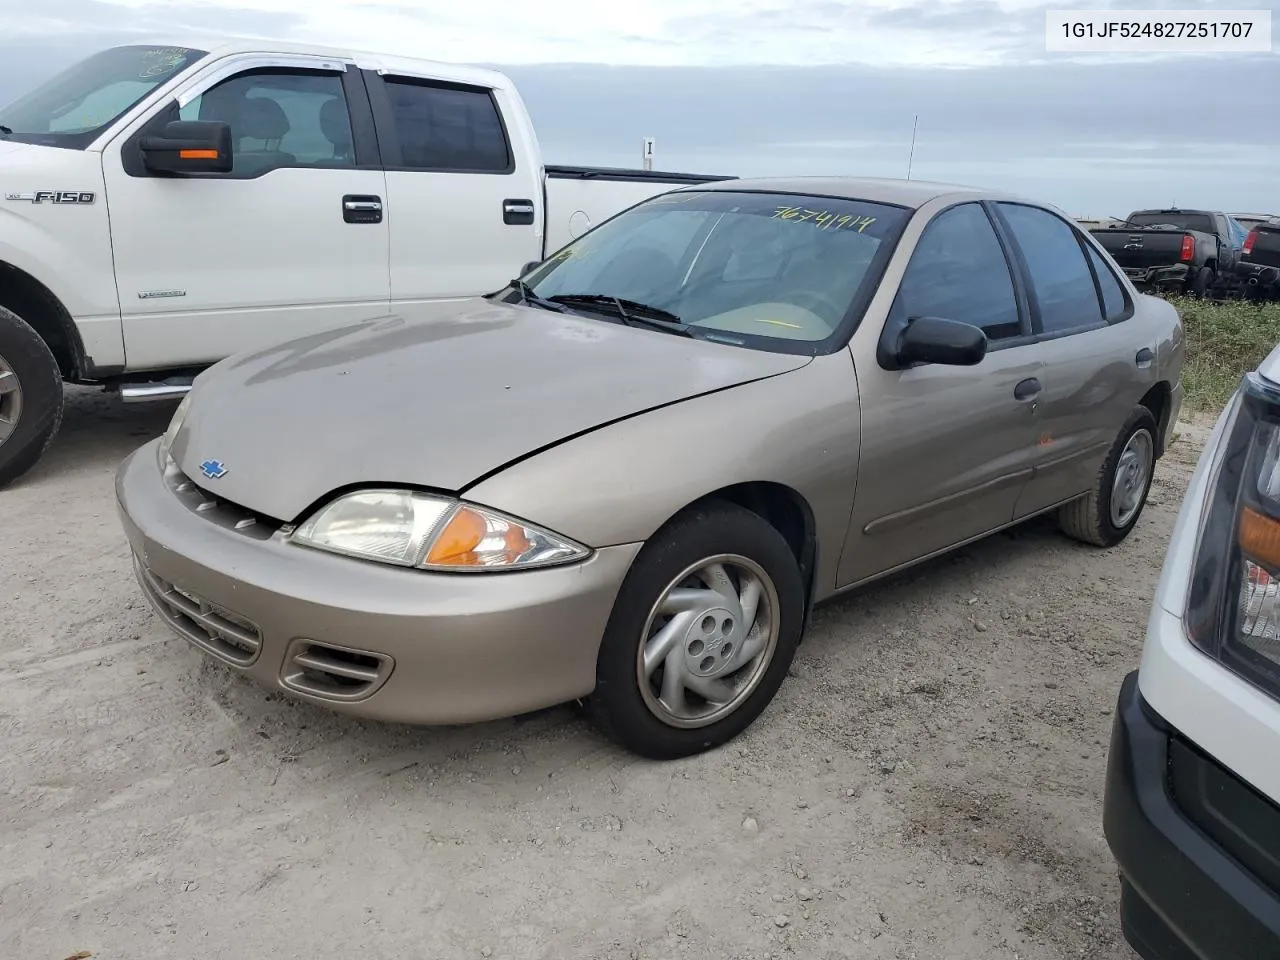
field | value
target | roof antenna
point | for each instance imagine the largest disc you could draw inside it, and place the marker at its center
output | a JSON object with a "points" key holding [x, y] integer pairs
{"points": [[915, 120]]}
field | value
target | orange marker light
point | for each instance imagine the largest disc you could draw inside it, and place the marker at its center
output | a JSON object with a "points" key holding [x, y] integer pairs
{"points": [[1260, 537], [471, 539], [198, 154]]}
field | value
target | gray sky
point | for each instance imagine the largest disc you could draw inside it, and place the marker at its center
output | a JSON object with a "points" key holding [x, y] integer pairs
{"points": [[758, 87]]}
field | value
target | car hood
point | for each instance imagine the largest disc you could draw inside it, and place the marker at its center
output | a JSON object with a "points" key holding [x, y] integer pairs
{"points": [[431, 400]]}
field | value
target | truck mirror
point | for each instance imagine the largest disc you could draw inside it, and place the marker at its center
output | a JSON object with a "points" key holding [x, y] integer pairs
{"points": [[529, 267], [189, 146]]}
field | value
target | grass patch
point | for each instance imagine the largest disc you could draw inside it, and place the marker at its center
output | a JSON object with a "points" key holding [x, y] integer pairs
{"points": [[1224, 342]]}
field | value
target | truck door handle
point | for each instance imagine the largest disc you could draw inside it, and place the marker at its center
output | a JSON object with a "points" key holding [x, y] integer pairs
{"points": [[1143, 358], [361, 208], [1027, 389], [516, 213]]}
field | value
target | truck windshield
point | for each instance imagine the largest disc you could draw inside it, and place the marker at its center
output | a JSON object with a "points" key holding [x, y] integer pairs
{"points": [[772, 271], [1201, 222], [72, 108]]}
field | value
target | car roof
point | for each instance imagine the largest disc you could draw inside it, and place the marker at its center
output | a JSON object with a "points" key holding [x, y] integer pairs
{"points": [[904, 193]]}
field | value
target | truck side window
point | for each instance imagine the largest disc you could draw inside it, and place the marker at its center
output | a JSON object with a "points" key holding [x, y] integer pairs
{"points": [[280, 118], [448, 127], [958, 271], [1060, 275]]}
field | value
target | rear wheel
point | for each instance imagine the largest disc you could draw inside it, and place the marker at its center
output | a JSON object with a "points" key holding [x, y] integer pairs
{"points": [[1112, 507], [30, 397], [1200, 282], [701, 635]]}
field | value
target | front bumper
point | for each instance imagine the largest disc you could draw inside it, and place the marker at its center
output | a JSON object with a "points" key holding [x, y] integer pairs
{"points": [[362, 637], [1196, 847]]}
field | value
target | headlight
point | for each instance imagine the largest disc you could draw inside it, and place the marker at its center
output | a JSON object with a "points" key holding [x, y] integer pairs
{"points": [[412, 529], [175, 424], [1233, 609]]}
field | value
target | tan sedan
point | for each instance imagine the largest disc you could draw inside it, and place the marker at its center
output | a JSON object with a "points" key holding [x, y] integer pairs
{"points": [[627, 477]]}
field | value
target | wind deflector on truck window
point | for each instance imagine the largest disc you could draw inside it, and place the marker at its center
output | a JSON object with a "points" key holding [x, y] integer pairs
{"points": [[627, 174]]}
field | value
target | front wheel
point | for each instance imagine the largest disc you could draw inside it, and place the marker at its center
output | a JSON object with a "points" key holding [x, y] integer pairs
{"points": [[1111, 509], [701, 635], [30, 397]]}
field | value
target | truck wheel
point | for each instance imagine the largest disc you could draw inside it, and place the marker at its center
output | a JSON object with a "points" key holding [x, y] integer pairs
{"points": [[30, 397], [701, 635], [1200, 283], [1111, 509]]}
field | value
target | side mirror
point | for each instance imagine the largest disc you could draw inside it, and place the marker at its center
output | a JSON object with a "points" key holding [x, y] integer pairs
{"points": [[529, 267], [935, 340], [189, 146]]}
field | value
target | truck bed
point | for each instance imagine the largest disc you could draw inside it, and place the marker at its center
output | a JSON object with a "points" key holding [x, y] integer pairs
{"points": [[1140, 249], [578, 198], [1265, 251]]}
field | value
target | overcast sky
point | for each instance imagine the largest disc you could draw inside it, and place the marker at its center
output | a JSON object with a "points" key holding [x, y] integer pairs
{"points": [[759, 87]]}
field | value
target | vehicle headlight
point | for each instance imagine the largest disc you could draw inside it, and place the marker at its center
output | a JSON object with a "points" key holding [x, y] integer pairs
{"points": [[413, 529], [1233, 609], [175, 424]]}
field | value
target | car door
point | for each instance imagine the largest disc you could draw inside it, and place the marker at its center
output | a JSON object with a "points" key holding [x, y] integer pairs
{"points": [[465, 197], [1097, 366], [289, 242], [945, 450]]}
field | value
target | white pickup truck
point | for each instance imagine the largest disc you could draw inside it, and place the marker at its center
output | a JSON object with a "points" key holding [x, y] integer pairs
{"points": [[163, 207]]}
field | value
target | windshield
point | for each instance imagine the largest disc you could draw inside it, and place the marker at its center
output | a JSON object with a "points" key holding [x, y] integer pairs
{"points": [[1201, 222], [72, 108], [766, 270]]}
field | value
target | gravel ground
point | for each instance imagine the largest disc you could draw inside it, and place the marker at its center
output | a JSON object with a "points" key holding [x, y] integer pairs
{"points": [[927, 784]]}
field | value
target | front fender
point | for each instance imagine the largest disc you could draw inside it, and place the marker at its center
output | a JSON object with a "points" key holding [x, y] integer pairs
{"points": [[621, 483], [64, 246]]}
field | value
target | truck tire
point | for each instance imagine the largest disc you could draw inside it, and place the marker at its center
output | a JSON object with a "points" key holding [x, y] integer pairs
{"points": [[30, 397], [1199, 285]]}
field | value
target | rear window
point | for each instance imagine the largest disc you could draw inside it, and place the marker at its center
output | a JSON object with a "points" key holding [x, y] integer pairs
{"points": [[1181, 221]]}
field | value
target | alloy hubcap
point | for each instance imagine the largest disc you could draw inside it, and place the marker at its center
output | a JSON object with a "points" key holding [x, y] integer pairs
{"points": [[1133, 470], [10, 400], [708, 641]]}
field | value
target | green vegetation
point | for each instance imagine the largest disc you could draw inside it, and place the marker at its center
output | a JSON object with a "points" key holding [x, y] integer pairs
{"points": [[1224, 341]]}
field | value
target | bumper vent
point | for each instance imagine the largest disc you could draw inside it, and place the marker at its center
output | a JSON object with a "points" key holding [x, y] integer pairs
{"points": [[226, 635], [334, 673]]}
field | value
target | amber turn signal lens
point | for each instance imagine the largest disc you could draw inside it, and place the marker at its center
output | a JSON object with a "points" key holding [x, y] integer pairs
{"points": [[470, 539], [198, 154], [1259, 537]]}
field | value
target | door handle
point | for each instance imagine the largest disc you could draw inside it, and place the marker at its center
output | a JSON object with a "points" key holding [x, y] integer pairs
{"points": [[1027, 389], [1144, 357], [361, 208], [516, 213]]}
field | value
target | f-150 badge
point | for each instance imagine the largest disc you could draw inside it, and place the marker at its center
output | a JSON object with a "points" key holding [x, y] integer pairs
{"points": [[54, 196]]}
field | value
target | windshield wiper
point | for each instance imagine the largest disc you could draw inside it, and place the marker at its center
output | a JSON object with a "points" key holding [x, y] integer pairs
{"points": [[528, 297], [631, 312]]}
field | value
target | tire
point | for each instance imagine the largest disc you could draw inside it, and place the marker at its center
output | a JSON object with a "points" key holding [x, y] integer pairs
{"points": [[1090, 519], [32, 413], [637, 717], [1200, 283]]}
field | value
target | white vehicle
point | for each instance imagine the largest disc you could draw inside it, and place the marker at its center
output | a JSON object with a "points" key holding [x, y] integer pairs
{"points": [[1192, 810], [164, 207]]}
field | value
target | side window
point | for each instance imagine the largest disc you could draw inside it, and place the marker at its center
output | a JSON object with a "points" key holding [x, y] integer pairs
{"points": [[280, 118], [1113, 299], [1060, 275], [448, 127], [958, 271]]}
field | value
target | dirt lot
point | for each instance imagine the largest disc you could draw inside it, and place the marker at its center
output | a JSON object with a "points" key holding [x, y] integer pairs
{"points": [[928, 783]]}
